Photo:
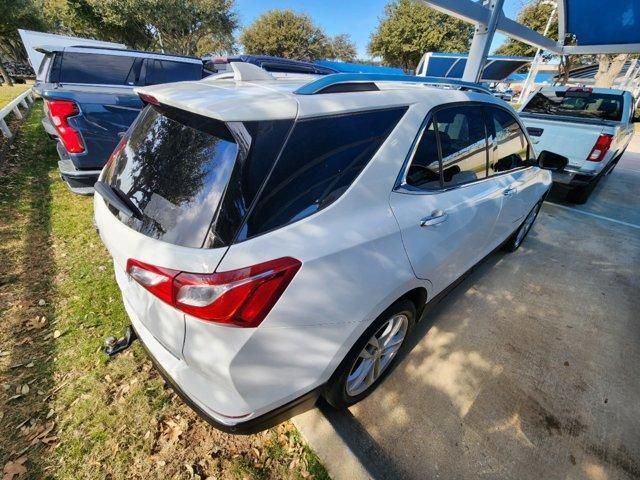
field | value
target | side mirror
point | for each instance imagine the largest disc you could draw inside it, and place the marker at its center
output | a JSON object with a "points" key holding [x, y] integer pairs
{"points": [[552, 161]]}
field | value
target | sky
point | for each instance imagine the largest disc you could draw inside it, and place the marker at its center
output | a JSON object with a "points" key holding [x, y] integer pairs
{"points": [[359, 18]]}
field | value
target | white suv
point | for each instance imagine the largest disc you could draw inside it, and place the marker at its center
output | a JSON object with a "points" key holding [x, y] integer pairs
{"points": [[277, 240]]}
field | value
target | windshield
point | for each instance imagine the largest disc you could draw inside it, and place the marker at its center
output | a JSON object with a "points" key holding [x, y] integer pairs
{"points": [[581, 104], [189, 178]]}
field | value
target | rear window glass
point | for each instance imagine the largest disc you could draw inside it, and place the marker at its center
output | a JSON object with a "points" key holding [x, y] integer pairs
{"points": [[192, 178], [579, 104], [166, 71], [95, 68], [319, 162], [44, 67]]}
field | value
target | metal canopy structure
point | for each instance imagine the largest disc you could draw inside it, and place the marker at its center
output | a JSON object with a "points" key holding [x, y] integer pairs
{"points": [[452, 65], [594, 28]]}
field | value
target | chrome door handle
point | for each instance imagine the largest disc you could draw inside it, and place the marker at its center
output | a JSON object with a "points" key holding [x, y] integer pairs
{"points": [[509, 191], [436, 217]]}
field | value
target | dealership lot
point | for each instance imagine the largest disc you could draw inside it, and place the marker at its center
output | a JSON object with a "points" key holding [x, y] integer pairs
{"points": [[528, 369]]}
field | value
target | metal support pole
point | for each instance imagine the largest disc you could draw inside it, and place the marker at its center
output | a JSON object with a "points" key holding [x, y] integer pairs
{"points": [[481, 43], [533, 70], [17, 113]]}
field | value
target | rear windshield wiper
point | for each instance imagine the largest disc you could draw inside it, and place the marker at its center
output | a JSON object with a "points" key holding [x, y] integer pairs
{"points": [[117, 199]]}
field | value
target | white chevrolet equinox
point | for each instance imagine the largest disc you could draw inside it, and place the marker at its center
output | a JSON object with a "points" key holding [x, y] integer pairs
{"points": [[275, 240]]}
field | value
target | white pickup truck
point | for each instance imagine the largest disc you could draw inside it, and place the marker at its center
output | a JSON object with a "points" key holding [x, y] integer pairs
{"points": [[590, 126]]}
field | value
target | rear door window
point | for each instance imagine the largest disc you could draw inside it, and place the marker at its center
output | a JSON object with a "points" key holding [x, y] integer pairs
{"points": [[95, 68], [463, 144], [321, 159], [451, 151], [167, 71]]}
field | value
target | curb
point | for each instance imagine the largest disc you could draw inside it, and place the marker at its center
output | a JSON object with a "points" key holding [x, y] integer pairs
{"points": [[334, 453]]}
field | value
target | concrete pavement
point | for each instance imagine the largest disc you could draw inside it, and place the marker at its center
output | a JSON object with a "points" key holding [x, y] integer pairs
{"points": [[527, 370]]}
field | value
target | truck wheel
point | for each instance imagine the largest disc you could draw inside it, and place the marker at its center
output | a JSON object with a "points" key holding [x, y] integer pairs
{"points": [[370, 360]]}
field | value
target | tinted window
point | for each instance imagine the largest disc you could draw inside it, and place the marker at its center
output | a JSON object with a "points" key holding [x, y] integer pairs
{"points": [[95, 68], [580, 103], [424, 170], [191, 177], [511, 148], [321, 159], [165, 71], [463, 144]]}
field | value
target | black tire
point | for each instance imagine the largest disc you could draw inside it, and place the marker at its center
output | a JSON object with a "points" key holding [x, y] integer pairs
{"points": [[516, 239], [580, 195], [337, 390]]}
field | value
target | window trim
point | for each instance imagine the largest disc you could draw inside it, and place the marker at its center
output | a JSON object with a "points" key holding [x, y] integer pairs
{"points": [[401, 185]]}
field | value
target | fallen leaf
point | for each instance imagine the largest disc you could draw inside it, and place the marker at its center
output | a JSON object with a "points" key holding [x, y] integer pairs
{"points": [[50, 414], [25, 389], [57, 333], [14, 468], [42, 302]]}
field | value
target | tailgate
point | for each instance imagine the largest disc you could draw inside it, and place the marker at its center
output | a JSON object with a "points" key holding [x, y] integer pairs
{"points": [[164, 322], [572, 140]]}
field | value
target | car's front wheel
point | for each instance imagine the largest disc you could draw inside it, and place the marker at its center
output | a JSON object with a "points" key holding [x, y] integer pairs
{"points": [[372, 356], [519, 235]]}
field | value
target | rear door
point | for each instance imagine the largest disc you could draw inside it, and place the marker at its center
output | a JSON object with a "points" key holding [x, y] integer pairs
{"points": [[446, 206]]}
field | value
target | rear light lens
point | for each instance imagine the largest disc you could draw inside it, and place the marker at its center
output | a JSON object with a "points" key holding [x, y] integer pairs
{"points": [[149, 99], [241, 297], [60, 111], [600, 149]]}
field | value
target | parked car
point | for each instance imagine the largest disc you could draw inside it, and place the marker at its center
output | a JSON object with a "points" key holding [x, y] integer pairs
{"points": [[506, 95], [592, 127], [89, 101], [277, 240], [270, 64]]}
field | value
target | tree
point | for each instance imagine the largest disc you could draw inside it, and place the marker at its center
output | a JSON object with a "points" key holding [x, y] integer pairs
{"points": [[180, 26], [609, 67], [285, 33], [535, 15], [408, 29], [16, 14], [342, 48]]}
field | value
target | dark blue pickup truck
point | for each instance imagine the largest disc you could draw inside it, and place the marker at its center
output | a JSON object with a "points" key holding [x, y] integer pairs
{"points": [[89, 101]]}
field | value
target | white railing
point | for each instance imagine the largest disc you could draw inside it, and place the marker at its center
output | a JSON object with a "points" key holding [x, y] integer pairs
{"points": [[24, 100]]}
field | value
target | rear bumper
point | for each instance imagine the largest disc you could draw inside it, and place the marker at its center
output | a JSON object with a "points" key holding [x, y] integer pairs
{"points": [[573, 178], [182, 378], [79, 181], [247, 427]]}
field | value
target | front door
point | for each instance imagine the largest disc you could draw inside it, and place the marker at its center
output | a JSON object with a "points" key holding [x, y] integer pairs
{"points": [[509, 151], [446, 206]]}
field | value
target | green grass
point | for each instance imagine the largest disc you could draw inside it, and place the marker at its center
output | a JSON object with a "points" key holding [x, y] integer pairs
{"points": [[114, 418], [9, 93]]}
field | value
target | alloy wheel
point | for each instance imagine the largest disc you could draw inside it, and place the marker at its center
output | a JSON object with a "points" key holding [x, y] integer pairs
{"points": [[377, 354]]}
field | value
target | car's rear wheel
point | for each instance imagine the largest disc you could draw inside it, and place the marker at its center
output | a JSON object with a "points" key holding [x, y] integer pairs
{"points": [[519, 235], [372, 356]]}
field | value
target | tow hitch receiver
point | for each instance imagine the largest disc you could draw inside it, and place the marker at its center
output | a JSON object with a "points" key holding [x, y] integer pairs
{"points": [[113, 346]]}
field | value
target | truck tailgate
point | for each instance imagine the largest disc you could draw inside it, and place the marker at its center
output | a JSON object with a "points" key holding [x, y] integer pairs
{"points": [[574, 140]]}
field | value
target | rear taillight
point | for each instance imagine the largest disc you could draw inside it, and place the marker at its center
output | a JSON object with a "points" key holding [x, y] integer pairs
{"points": [[600, 149], [60, 111], [241, 297]]}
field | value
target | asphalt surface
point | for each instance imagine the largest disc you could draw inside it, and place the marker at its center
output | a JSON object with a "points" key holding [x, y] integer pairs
{"points": [[529, 368]]}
